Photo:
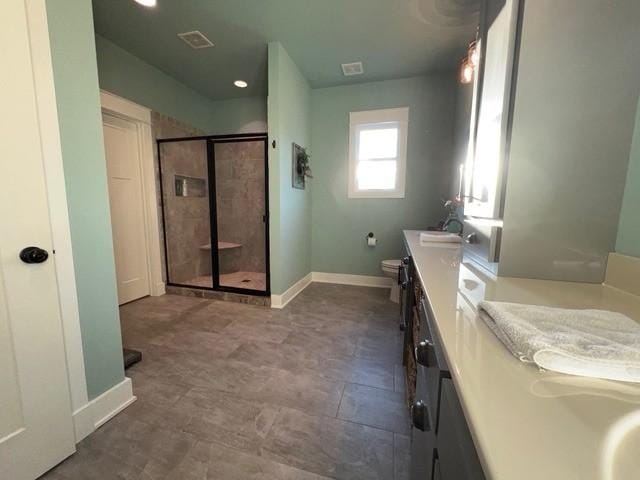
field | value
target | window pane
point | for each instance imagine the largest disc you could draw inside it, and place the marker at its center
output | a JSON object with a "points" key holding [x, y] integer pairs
{"points": [[378, 143], [376, 175]]}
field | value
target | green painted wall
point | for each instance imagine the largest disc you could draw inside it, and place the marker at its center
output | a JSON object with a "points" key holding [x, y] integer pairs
{"points": [[289, 107], [78, 101], [340, 224], [128, 76], [628, 241]]}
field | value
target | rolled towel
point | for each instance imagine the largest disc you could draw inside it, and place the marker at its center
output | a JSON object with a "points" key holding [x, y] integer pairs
{"points": [[439, 237], [588, 343]]}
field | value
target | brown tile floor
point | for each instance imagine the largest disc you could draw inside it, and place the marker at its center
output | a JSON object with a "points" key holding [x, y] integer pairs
{"points": [[233, 391]]}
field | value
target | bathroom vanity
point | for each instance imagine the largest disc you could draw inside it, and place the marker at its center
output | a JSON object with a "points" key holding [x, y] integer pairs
{"points": [[480, 413]]}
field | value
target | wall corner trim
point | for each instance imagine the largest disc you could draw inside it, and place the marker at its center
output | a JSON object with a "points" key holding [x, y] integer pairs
{"points": [[103, 408], [280, 301], [141, 116], [356, 280]]}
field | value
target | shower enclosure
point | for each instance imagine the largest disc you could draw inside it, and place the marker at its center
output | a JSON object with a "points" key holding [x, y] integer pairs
{"points": [[214, 192]]}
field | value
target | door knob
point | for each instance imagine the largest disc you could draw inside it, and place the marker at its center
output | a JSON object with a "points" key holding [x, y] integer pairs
{"points": [[33, 255], [419, 416]]}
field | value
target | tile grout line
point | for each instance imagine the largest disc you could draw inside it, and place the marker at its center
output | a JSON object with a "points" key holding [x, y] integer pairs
{"points": [[393, 457], [353, 422], [344, 387]]}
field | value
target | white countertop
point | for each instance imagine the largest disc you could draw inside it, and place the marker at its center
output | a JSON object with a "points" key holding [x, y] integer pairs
{"points": [[529, 424]]}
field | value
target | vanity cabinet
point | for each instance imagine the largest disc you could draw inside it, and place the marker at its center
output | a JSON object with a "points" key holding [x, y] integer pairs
{"points": [[405, 281], [456, 453], [441, 445]]}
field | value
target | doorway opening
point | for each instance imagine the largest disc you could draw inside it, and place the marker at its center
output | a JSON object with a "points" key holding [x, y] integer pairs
{"points": [[214, 200]]}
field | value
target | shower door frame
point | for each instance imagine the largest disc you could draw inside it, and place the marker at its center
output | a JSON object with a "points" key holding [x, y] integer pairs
{"points": [[211, 140]]}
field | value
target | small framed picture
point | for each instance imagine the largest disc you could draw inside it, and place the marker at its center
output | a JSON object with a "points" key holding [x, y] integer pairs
{"points": [[299, 166]]}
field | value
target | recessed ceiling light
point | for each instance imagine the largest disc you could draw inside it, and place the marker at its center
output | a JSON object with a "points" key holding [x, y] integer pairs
{"points": [[240, 84], [147, 3]]}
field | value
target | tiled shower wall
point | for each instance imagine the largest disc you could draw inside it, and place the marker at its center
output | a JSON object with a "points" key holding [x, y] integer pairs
{"points": [[187, 217], [240, 198], [240, 180], [187, 263]]}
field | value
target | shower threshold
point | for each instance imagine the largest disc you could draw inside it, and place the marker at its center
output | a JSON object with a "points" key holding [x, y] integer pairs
{"points": [[246, 280]]}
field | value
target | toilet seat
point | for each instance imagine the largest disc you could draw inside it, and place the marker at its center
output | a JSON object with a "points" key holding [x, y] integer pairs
{"points": [[391, 269], [391, 264]]}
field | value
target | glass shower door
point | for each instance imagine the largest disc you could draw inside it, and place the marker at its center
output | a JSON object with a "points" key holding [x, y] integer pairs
{"points": [[241, 209], [184, 177]]}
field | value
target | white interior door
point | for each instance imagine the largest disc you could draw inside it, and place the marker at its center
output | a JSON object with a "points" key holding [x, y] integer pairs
{"points": [[127, 207], [36, 428]]}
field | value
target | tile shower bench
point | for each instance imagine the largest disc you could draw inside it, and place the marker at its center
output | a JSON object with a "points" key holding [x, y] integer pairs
{"points": [[229, 255]]}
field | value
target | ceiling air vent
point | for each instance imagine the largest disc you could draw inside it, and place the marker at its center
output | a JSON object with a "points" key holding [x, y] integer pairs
{"points": [[196, 39], [350, 69]]}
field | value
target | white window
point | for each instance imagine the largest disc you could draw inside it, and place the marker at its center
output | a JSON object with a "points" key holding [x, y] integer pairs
{"points": [[378, 153]]}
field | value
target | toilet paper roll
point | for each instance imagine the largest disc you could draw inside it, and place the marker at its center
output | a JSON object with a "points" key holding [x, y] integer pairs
{"points": [[371, 241]]}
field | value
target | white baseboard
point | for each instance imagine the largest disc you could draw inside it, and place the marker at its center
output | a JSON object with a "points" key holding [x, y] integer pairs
{"points": [[280, 301], [347, 279], [102, 409]]}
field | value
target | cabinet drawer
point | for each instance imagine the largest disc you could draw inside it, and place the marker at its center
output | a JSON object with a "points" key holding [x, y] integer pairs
{"points": [[431, 363], [436, 468], [406, 295], [425, 330], [422, 450], [428, 332], [427, 369], [457, 455]]}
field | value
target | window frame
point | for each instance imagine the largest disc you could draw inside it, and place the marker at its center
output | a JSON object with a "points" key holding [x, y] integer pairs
{"points": [[369, 119]]}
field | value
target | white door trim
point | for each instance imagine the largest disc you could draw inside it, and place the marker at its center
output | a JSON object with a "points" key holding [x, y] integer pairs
{"points": [[57, 197], [141, 116]]}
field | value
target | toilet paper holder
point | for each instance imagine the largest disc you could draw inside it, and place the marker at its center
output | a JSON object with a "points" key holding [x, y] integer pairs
{"points": [[371, 239]]}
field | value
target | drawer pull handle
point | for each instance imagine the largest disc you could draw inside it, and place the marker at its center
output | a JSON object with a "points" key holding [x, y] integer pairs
{"points": [[425, 354], [419, 416]]}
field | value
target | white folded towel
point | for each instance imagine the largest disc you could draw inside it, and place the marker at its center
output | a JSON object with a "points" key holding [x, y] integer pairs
{"points": [[589, 343], [439, 237]]}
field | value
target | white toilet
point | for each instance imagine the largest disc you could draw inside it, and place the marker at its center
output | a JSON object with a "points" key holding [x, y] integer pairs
{"points": [[390, 269]]}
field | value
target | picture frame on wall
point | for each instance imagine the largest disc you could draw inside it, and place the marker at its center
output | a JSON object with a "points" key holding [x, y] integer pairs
{"points": [[299, 166]]}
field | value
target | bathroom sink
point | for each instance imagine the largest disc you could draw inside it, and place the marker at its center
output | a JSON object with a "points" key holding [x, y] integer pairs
{"points": [[621, 447], [439, 237]]}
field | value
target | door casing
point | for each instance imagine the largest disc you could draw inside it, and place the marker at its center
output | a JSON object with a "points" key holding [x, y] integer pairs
{"points": [[116, 106]]}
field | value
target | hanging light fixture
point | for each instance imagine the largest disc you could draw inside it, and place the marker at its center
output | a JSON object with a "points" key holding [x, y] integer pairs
{"points": [[466, 71], [474, 54]]}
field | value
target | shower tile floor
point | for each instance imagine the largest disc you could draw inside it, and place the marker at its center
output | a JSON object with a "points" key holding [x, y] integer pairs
{"points": [[248, 280], [229, 391]]}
